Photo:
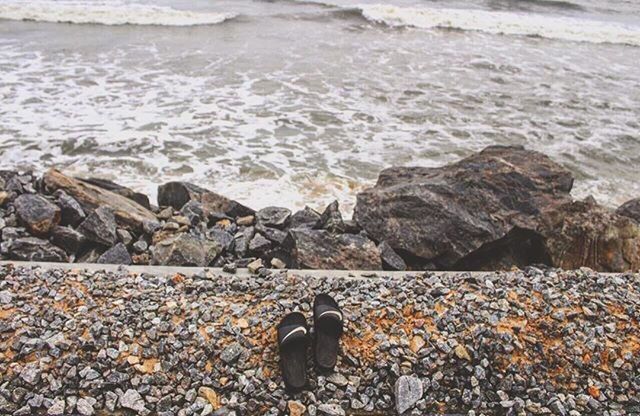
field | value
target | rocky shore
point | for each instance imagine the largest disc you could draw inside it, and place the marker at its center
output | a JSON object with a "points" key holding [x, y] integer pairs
{"points": [[538, 341], [501, 208]]}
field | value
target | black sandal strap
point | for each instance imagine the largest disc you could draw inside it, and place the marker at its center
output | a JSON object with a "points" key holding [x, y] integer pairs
{"points": [[289, 333], [328, 312]]}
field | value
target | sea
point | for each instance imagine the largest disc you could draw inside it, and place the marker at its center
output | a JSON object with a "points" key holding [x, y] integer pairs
{"points": [[295, 103]]}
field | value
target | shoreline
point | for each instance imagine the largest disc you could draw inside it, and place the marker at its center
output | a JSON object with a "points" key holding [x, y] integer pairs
{"points": [[502, 208], [535, 341]]}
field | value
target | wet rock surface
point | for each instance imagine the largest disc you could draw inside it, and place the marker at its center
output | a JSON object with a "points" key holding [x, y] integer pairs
{"points": [[444, 214], [538, 341]]}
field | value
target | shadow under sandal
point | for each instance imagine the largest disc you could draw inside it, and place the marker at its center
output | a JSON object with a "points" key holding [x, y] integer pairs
{"points": [[327, 322], [293, 341]]}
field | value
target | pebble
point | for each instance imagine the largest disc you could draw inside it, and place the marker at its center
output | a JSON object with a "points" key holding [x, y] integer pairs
{"points": [[408, 390]]}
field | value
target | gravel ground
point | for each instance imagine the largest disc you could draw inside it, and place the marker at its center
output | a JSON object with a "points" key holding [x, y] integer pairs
{"points": [[525, 342]]}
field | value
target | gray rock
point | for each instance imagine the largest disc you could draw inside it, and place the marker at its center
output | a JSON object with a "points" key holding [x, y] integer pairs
{"points": [[140, 246], [67, 238], [124, 236], [30, 373], [37, 213], [259, 244], [36, 249], [305, 218], [6, 297], [331, 219], [100, 227], [319, 249], [408, 390], [117, 254], [331, 409], [131, 399], [185, 250], [85, 406], [231, 353], [72, 213], [390, 259], [194, 211], [274, 217], [57, 407]]}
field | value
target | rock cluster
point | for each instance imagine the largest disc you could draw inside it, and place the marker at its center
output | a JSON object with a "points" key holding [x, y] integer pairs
{"points": [[537, 341], [503, 207]]}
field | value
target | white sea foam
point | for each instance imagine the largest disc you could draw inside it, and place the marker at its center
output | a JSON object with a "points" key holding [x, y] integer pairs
{"points": [[507, 23], [111, 13]]}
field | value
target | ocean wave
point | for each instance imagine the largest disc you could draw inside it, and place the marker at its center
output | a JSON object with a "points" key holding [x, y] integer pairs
{"points": [[107, 14], [505, 23]]}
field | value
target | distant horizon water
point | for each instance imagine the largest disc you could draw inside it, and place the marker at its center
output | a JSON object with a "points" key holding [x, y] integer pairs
{"points": [[295, 103]]}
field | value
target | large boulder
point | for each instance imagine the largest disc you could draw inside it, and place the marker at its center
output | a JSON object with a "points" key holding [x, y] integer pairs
{"points": [[128, 213], [37, 213], [185, 250], [581, 233], [630, 209], [36, 249], [319, 249], [440, 215], [176, 194]]}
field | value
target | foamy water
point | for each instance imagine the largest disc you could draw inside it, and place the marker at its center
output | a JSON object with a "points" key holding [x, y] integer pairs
{"points": [[107, 13], [293, 103]]}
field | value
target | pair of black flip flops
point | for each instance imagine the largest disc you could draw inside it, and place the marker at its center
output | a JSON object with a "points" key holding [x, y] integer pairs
{"points": [[293, 341]]}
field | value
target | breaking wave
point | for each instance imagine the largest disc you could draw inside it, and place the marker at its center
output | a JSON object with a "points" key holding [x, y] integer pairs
{"points": [[107, 14], [506, 23]]}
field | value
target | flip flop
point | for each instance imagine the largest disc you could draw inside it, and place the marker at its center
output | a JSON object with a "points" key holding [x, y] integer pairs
{"points": [[327, 323], [293, 341]]}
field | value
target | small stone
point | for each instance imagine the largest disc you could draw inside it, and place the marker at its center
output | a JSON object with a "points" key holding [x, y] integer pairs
{"points": [[133, 360], [231, 353], [276, 263], [416, 344], [296, 408], [338, 379], [408, 391], [461, 352], [57, 407], [331, 409], [131, 399], [124, 236], [246, 220], [255, 265], [30, 373], [210, 395], [84, 406], [140, 246], [242, 323]]}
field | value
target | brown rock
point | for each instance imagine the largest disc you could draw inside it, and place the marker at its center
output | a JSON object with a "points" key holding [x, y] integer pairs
{"points": [[583, 234], [128, 213]]}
